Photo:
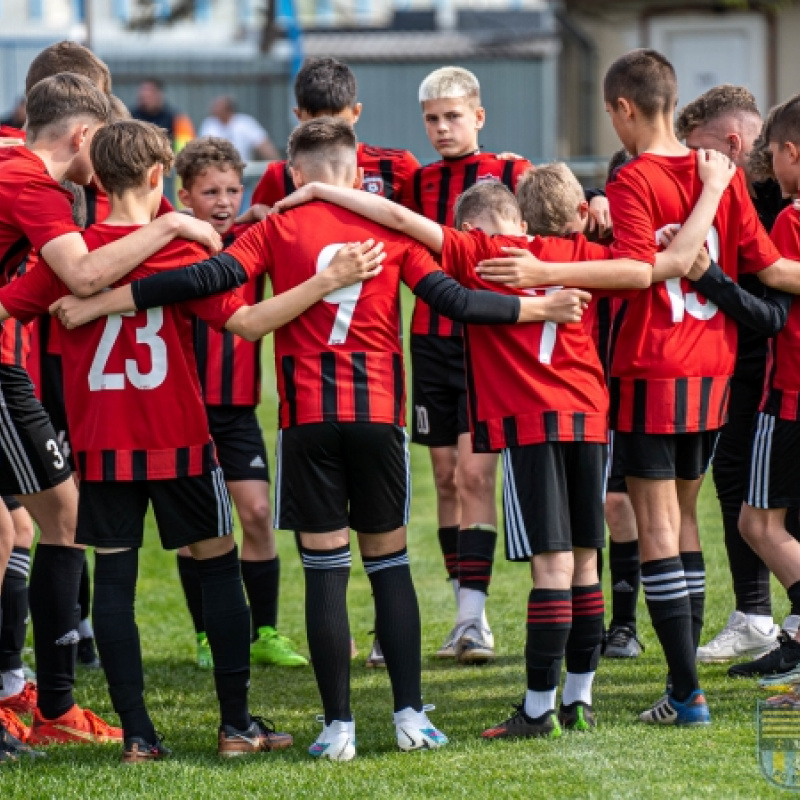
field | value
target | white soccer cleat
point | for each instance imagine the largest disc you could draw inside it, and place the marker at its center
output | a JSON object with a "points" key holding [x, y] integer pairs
{"points": [[474, 644], [416, 732], [336, 742], [738, 639]]}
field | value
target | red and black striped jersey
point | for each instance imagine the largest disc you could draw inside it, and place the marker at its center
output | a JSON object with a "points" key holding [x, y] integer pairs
{"points": [[782, 383], [386, 172], [340, 361], [7, 132], [535, 382], [433, 192], [605, 325], [229, 366], [132, 392], [675, 352]]}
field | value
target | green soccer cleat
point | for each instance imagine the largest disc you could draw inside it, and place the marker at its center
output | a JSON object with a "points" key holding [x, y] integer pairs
{"points": [[204, 658], [272, 648]]}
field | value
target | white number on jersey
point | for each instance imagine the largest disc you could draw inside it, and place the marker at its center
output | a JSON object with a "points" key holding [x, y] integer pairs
{"points": [[549, 330], [346, 298], [100, 380]]}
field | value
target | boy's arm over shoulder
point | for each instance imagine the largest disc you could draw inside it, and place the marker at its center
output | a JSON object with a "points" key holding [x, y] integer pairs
{"points": [[634, 234], [461, 252], [31, 294]]}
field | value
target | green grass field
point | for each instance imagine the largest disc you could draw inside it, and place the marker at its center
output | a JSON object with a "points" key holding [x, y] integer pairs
{"points": [[621, 759]]}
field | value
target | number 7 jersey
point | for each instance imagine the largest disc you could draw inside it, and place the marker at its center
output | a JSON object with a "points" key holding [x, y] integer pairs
{"points": [[131, 388]]}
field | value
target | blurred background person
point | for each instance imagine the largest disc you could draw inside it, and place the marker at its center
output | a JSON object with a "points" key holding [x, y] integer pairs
{"points": [[16, 117], [245, 132]]}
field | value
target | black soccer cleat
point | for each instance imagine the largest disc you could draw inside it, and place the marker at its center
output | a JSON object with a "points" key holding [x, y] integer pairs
{"points": [[520, 726], [87, 654], [783, 659], [577, 716], [621, 642], [138, 750]]}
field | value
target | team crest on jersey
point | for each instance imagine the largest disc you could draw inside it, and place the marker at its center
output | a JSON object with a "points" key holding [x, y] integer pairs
{"points": [[373, 184], [486, 178], [778, 720]]}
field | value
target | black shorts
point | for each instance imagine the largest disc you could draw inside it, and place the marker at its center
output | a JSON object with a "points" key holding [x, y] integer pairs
{"points": [[774, 479], [31, 459], [332, 475], [553, 498], [615, 480], [240, 444], [663, 456], [51, 375], [438, 390], [187, 510]]}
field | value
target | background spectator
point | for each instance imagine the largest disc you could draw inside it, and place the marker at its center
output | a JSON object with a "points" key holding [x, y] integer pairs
{"points": [[243, 131], [16, 117]]}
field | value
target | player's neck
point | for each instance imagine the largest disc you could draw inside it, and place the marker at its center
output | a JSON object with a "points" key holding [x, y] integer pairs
{"points": [[465, 153], [658, 138], [134, 207], [56, 157]]}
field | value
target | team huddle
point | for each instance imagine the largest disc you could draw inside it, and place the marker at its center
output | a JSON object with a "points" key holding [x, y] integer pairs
{"points": [[606, 343]]}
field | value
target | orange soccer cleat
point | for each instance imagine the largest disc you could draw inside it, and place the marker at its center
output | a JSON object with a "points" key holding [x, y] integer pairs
{"points": [[23, 702], [14, 725], [77, 726]]}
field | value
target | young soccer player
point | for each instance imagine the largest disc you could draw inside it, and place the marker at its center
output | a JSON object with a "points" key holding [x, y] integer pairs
{"points": [[64, 112], [727, 118], [141, 368], [342, 456], [211, 170]]}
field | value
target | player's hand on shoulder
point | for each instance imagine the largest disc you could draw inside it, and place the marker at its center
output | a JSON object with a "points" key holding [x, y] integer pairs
{"points": [[305, 194], [567, 305], [714, 169], [198, 231], [73, 311], [508, 156], [253, 214], [600, 216], [356, 262], [520, 269]]}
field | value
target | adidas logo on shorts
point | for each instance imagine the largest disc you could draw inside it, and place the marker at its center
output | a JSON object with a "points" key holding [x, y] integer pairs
{"points": [[257, 463]]}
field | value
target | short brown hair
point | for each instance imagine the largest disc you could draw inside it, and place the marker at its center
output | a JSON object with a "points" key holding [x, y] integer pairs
{"points": [[62, 97], [618, 158], [68, 57], [491, 197], [783, 123], [644, 78], [205, 152], [119, 110], [759, 160], [122, 152], [549, 197], [321, 136], [723, 99]]}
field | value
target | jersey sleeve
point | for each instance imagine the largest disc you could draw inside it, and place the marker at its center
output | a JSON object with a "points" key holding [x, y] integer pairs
{"points": [[786, 233], [634, 233], [417, 263], [43, 212], [272, 186], [217, 310], [756, 251], [33, 293], [253, 250]]}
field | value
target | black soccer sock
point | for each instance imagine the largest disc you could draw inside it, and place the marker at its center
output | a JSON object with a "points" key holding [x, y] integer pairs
{"points": [[53, 598], [14, 605], [694, 569], [328, 628], [623, 563], [262, 582], [117, 637], [85, 592], [476, 546], [793, 593], [226, 619], [586, 634], [667, 600], [397, 625], [549, 624], [749, 573], [192, 590], [448, 541]]}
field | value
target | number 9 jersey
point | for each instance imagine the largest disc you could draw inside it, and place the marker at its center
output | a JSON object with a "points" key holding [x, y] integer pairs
{"points": [[131, 387]]}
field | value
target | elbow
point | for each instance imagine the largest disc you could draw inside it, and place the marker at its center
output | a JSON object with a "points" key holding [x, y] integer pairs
{"points": [[84, 288]]}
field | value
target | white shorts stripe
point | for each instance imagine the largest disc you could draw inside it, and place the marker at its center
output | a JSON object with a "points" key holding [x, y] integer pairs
{"points": [[516, 534], [407, 451]]}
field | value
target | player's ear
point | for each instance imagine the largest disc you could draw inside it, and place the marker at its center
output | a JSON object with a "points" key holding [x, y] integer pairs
{"points": [[734, 146], [154, 175], [356, 112], [793, 151], [358, 181], [523, 226], [298, 114], [583, 210], [466, 227], [78, 136], [480, 117], [625, 107], [183, 196], [297, 177]]}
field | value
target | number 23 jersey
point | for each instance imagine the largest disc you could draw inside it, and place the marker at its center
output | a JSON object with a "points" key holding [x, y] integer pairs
{"points": [[341, 360], [131, 387]]}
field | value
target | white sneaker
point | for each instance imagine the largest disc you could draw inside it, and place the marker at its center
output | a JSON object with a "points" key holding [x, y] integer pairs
{"points": [[738, 639], [474, 644], [336, 742], [416, 732]]}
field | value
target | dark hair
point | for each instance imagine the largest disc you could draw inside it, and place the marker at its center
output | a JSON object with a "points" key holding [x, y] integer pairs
{"points": [[205, 152], [720, 100], [783, 123], [618, 158], [644, 78], [486, 196], [61, 97], [324, 85], [68, 57], [321, 136], [122, 152]]}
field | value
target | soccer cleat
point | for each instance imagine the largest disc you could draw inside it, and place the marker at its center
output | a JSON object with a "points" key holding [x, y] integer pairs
{"points": [[204, 658], [87, 654], [783, 660], [520, 725], [668, 711], [337, 741], [474, 644], [23, 702], [375, 659], [272, 648], [448, 648], [416, 732], [260, 737], [138, 750], [13, 725], [77, 726], [739, 638], [621, 642], [13, 746], [577, 716]]}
